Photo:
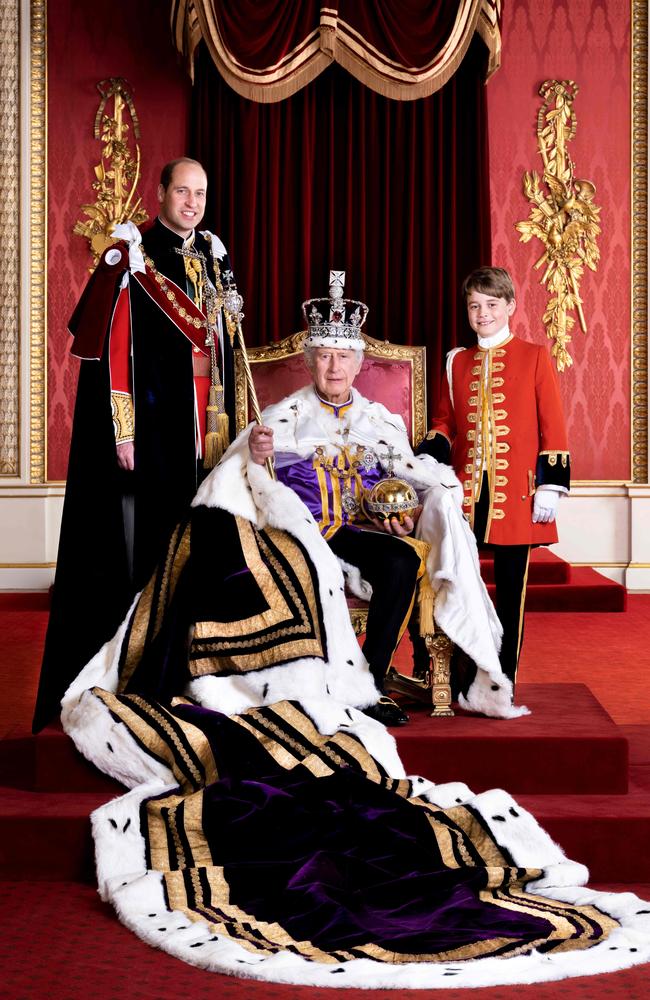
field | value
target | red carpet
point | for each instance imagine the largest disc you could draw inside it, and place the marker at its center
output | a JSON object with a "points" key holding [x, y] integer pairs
{"points": [[554, 585], [568, 762], [61, 942]]}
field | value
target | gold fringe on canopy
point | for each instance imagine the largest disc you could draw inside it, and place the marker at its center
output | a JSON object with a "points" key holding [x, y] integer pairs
{"points": [[332, 39]]}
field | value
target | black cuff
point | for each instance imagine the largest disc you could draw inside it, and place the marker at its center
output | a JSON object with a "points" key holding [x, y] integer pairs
{"points": [[436, 445], [553, 469]]}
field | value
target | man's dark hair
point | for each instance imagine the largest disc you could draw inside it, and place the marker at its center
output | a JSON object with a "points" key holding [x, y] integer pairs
{"points": [[490, 281], [167, 171]]}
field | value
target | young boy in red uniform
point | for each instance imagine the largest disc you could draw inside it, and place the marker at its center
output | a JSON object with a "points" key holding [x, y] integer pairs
{"points": [[500, 425]]}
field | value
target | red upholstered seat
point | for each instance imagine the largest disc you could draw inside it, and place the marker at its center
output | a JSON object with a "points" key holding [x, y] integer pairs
{"points": [[394, 375]]}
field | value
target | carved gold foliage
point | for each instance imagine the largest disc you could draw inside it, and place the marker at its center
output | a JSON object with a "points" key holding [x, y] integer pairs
{"points": [[118, 172], [563, 216]]}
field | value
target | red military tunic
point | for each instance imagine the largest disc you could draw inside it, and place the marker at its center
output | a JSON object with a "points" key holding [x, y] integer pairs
{"points": [[502, 415]]}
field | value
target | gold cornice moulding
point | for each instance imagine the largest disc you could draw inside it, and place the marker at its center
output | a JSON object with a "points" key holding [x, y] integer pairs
{"points": [[563, 216], [118, 172]]}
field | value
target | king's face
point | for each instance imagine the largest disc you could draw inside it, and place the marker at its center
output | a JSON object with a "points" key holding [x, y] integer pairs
{"points": [[334, 371]]}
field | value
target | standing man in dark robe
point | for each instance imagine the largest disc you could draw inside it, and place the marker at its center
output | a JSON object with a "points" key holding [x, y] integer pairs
{"points": [[154, 403]]}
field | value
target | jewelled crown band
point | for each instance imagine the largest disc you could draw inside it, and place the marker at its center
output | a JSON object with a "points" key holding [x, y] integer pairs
{"points": [[335, 321]]}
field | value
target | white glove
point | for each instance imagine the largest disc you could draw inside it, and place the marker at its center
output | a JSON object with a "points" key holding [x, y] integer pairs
{"points": [[545, 506], [130, 233]]}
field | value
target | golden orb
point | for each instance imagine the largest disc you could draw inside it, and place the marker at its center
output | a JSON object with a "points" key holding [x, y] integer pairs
{"points": [[390, 498]]}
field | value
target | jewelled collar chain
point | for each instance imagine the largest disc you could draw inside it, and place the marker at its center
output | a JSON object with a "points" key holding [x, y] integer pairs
{"points": [[365, 459], [213, 302], [171, 295]]}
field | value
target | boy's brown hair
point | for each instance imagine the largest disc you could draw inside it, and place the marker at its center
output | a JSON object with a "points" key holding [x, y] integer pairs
{"points": [[490, 281]]}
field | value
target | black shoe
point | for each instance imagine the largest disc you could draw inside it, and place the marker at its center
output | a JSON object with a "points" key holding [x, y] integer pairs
{"points": [[387, 712]]}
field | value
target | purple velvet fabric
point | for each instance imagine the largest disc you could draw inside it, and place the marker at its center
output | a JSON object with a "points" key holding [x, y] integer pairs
{"points": [[343, 861]]}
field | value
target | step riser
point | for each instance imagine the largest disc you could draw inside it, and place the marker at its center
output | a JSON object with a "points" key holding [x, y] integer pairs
{"points": [[555, 573], [552, 597], [614, 850], [47, 849], [532, 767], [569, 745]]}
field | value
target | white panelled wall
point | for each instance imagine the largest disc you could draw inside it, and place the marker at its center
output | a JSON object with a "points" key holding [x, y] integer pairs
{"points": [[604, 526]]}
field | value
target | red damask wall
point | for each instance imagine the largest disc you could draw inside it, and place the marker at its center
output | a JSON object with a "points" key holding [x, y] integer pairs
{"points": [[587, 41], [88, 42], [584, 40]]}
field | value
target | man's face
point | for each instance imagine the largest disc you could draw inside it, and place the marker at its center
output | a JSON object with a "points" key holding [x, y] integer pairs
{"points": [[182, 204], [334, 371], [487, 313]]}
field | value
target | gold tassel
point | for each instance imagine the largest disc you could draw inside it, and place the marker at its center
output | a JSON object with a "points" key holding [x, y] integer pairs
{"points": [[217, 437], [426, 601], [426, 595]]}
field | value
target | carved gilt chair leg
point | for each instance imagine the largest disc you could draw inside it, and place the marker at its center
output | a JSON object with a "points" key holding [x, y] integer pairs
{"points": [[439, 647]]}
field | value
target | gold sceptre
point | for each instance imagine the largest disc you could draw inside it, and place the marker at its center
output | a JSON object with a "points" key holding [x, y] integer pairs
{"points": [[232, 305]]}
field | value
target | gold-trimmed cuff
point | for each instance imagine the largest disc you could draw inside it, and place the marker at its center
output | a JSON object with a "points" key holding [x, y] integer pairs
{"points": [[123, 417]]}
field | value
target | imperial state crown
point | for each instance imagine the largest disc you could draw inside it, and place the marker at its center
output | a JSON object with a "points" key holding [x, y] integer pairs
{"points": [[335, 321]]}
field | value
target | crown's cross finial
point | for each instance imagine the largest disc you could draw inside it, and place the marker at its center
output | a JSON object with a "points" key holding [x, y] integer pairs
{"points": [[337, 284]]}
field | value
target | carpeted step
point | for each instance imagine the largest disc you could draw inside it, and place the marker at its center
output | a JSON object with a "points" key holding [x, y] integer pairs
{"points": [[46, 835], [568, 745], [50, 762], [544, 567], [555, 585], [586, 590], [610, 834]]}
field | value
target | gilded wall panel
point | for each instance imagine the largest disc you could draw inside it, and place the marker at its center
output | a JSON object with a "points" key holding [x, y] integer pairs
{"points": [[9, 237]]}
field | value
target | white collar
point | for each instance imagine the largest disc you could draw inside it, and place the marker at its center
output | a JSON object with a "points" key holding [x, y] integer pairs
{"points": [[485, 343]]}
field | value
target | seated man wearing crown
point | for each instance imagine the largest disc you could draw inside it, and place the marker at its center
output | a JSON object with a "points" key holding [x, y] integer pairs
{"points": [[331, 445]]}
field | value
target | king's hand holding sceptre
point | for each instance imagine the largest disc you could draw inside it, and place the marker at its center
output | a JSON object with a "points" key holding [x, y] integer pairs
{"points": [[233, 305]]}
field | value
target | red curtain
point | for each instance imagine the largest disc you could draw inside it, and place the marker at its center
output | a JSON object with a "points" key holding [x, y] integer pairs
{"points": [[337, 176]]}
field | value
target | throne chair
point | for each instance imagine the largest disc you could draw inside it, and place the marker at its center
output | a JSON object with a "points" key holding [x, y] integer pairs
{"points": [[391, 374]]}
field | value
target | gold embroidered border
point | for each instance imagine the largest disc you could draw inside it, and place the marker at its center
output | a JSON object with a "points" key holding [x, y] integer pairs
{"points": [[171, 749], [175, 560], [278, 609], [122, 413], [157, 829], [221, 654], [231, 921]]}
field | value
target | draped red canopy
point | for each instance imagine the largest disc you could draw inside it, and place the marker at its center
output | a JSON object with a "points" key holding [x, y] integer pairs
{"points": [[269, 49], [341, 174]]}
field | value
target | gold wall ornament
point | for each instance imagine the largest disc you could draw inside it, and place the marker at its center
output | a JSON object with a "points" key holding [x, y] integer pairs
{"points": [[118, 172], [562, 215]]}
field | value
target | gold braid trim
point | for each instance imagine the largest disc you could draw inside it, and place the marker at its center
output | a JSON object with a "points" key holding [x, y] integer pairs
{"points": [[123, 416]]}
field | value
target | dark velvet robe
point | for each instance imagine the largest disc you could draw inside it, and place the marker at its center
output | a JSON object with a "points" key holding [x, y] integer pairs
{"points": [[94, 584]]}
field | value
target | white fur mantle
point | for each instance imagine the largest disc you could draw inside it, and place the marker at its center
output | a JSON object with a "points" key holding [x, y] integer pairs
{"points": [[463, 609]]}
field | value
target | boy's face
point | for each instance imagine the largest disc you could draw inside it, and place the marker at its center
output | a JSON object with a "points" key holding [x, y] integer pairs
{"points": [[488, 314]]}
